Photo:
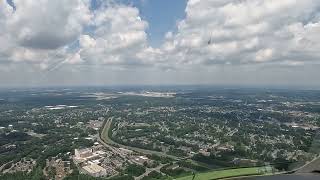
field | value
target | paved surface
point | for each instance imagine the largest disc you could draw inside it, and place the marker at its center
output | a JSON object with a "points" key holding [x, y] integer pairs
{"points": [[306, 176], [149, 170], [105, 137], [1, 167], [303, 172], [313, 165]]}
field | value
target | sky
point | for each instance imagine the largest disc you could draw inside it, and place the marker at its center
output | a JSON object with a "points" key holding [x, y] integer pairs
{"points": [[160, 42]]}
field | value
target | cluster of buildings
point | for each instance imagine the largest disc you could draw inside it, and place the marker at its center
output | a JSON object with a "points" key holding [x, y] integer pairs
{"points": [[97, 161], [61, 168], [95, 124], [23, 165], [6, 129], [89, 160]]}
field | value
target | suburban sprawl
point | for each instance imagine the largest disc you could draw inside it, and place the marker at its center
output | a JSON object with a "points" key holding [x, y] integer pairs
{"points": [[145, 133]]}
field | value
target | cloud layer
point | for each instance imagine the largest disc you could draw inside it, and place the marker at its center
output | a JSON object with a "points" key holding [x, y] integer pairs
{"points": [[48, 35], [247, 32]]}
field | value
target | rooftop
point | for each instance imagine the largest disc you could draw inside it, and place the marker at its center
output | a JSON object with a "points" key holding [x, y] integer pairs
{"points": [[93, 168]]}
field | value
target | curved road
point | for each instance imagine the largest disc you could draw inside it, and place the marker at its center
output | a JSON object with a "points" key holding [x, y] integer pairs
{"points": [[108, 142], [104, 137]]}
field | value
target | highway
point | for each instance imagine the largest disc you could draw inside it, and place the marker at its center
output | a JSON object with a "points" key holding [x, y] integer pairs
{"points": [[104, 137], [105, 140]]}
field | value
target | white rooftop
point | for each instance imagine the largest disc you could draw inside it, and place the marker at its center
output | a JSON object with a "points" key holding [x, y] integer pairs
{"points": [[93, 168]]}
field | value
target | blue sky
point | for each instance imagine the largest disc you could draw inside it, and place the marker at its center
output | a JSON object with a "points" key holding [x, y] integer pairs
{"points": [[161, 15]]}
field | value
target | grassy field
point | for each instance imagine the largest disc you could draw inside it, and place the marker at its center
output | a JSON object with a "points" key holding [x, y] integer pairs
{"points": [[223, 174]]}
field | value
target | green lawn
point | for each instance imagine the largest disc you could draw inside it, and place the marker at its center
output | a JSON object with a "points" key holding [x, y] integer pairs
{"points": [[223, 174]]}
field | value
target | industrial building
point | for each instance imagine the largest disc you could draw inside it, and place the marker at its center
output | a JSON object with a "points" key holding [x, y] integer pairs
{"points": [[94, 170]]}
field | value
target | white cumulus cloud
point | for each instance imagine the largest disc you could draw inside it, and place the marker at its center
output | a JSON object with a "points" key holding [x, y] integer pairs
{"points": [[246, 32], [47, 35]]}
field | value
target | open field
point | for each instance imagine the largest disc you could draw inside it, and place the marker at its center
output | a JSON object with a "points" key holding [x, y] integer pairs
{"points": [[223, 174]]}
